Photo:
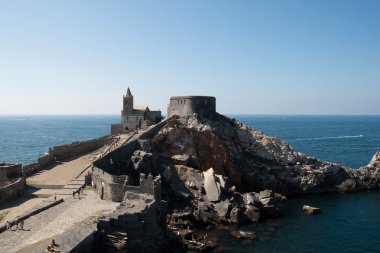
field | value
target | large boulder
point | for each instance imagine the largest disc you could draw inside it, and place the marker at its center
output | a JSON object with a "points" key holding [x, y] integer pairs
{"points": [[223, 209], [212, 186], [190, 176], [271, 201], [250, 198]]}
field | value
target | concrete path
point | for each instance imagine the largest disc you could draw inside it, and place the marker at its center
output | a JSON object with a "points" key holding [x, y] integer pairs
{"points": [[59, 180], [55, 221]]}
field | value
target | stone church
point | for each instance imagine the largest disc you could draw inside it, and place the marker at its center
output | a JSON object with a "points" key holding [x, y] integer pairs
{"points": [[133, 117]]}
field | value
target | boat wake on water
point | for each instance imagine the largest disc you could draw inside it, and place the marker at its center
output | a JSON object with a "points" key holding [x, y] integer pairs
{"points": [[331, 137]]}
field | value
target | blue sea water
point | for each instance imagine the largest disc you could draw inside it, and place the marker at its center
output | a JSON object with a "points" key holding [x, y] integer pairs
{"points": [[347, 140], [24, 138], [348, 223]]}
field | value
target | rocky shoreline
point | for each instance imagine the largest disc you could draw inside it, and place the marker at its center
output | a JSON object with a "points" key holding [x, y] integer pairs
{"points": [[219, 172]]}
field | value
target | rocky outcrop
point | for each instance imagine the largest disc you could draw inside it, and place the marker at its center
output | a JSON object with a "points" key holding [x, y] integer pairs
{"points": [[218, 171], [253, 161]]}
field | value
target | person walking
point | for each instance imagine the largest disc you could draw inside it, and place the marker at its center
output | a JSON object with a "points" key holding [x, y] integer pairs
{"points": [[8, 225]]}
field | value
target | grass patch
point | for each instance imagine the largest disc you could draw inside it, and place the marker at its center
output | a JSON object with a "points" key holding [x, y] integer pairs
{"points": [[2, 215]]}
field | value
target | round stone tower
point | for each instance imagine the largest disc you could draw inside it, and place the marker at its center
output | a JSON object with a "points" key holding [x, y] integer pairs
{"points": [[187, 105]]}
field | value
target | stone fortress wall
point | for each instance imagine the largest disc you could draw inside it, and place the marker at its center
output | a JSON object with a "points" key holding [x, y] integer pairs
{"points": [[188, 105], [67, 151], [12, 181], [9, 170], [111, 186]]}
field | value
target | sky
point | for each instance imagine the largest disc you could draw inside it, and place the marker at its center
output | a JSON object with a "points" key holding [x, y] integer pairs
{"points": [[255, 57]]}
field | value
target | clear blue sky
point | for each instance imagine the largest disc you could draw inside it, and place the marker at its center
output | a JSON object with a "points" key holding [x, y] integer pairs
{"points": [[255, 57]]}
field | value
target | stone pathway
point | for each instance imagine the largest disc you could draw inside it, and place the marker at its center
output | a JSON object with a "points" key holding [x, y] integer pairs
{"points": [[55, 221], [59, 180]]}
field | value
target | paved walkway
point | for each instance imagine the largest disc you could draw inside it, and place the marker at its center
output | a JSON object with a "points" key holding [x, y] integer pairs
{"points": [[59, 180], [55, 221]]}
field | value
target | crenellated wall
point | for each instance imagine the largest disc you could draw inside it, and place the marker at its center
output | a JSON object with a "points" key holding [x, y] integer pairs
{"points": [[67, 151]]}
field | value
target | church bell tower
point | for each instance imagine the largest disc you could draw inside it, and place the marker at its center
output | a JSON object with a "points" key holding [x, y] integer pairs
{"points": [[127, 102]]}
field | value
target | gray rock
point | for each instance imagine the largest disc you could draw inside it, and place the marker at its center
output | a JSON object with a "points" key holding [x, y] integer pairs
{"points": [[223, 208], [253, 213], [265, 194], [192, 177], [311, 210], [237, 215], [243, 234], [212, 189], [222, 182], [266, 197], [251, 199], [206, 214]]}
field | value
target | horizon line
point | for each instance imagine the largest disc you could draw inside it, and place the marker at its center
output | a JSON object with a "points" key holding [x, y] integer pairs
{"points": [[228, 114]]}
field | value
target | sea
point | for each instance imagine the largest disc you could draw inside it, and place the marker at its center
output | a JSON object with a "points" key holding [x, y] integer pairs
{"points": [[349, 222]]}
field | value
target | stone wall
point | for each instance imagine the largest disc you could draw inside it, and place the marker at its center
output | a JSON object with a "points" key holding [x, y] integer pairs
{"points": [[150, 185], [67, 151], [9, 170], [188, 105], [12, 190], [111, 184], [108, 186], [78, 148], [152, 131], [144, 225], [112, 187], [117, 155], [116, 129]]}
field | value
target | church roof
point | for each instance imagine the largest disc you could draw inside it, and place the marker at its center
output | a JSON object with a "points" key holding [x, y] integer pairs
{"points": [[141, 108], [137, 113]]}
